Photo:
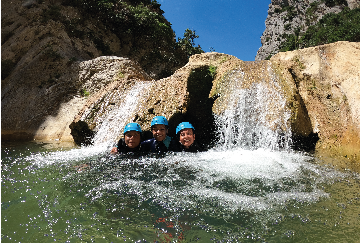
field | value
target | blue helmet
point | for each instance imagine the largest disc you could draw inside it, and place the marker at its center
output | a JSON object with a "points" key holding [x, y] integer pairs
{"points": [[159, 120], [132, 127], [184, 125]]}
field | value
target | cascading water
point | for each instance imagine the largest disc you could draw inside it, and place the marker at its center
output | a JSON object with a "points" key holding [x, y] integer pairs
{"points": [[116, 119], [256, 115], [250, 187]]}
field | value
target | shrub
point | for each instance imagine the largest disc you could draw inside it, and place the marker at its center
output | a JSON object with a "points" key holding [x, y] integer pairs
{"points": [[344, 26], [187, 44]]}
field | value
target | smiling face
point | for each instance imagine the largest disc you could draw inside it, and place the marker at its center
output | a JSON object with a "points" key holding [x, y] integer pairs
{"points": [[159, 132], [132, 139], [187, 137]]}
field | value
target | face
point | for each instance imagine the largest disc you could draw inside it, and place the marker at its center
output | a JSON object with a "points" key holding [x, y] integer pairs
{"points": [[132, 139], [187, 137], [159, 132]]}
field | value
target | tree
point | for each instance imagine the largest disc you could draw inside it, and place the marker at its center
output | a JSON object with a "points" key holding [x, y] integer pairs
{"points": [[187, 44]]}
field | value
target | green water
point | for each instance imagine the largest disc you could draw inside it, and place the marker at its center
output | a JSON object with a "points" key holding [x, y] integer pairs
{"points": [[216, 196]]}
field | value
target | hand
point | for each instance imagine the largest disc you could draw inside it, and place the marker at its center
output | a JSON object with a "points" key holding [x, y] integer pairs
{"points": [[114, 150]]}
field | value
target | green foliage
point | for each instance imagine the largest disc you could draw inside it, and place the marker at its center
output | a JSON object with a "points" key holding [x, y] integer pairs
{"points": [[344, 26], [291, 13], [212, 71], [269, 56], [138, 17], [142, 24], [84, 93], [292, 41], [187, 44], [284, 7], [312, 9]]}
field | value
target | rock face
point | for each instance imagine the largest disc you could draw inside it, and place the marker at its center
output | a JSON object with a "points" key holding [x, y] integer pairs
{"points": [[44, 52], [182, 96], [285, 16], [58, 87], [321, 85], [324, 81]]}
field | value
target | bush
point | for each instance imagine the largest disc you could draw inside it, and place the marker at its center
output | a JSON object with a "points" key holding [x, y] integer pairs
{"points": [[136, 17], [344, 26], [187, 44], [143, 23]]}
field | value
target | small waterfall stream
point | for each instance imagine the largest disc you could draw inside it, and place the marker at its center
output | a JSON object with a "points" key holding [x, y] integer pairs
{"points": [[256, 115], [114, 122]]}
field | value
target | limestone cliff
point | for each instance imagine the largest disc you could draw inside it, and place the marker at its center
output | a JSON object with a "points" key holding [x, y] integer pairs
{"points": [[45, 46], [57, 86], [321, 85], [36, 32], [287, 16], [324, 83]]}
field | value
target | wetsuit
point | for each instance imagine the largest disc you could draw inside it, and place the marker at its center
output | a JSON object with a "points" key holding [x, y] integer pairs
{"points": [[181, 148], [124, 149], [157, 147]]}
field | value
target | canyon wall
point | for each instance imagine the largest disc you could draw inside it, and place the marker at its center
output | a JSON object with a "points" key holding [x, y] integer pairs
{"points": [[286, 16], [56, 91]]}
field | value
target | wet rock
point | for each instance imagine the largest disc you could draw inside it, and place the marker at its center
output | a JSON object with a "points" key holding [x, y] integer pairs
{"points": [[81, 133]]}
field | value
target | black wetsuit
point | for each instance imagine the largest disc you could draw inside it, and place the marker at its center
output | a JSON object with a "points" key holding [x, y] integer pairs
{"points": [[193, 148], [157, 147], [122, 148]]}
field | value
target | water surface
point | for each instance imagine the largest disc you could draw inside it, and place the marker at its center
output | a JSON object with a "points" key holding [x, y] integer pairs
{"points": [[222, 195]]}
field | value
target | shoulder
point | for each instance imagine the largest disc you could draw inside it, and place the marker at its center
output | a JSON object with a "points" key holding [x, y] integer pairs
{"points": [[149, 141], [147, 145], [121, 146], [196, 147], [175, 146]]}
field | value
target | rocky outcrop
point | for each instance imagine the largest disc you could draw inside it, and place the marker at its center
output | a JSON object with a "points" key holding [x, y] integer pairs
{"points": [[45, 47], [44, 111], [323, 83], [182, 96], [287, 16]]}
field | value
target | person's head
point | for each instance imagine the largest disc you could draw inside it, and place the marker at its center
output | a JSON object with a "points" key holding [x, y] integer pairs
{"points": [[186, 134], [159, 128], [132, 135]]}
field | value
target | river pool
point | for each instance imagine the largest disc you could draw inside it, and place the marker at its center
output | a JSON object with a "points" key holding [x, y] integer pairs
{"points": [[222, 195]]}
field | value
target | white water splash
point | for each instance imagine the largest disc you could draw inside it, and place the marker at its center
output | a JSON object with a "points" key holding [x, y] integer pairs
{"points": [[256, 117], [113, 125]]}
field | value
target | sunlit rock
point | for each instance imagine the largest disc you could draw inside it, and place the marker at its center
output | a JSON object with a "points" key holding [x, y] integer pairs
{"points": [[327, 80]]}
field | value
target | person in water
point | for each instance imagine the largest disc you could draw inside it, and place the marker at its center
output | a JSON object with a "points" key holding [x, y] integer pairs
{"points": [[131, 141], [185, 133], [161, 142]]}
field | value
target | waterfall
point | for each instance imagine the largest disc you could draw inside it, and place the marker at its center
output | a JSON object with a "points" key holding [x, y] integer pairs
{"points": [[114, 122], [256, 115]]}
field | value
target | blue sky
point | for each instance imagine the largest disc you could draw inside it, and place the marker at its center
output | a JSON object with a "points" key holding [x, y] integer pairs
{"points": [[232, 27]]}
